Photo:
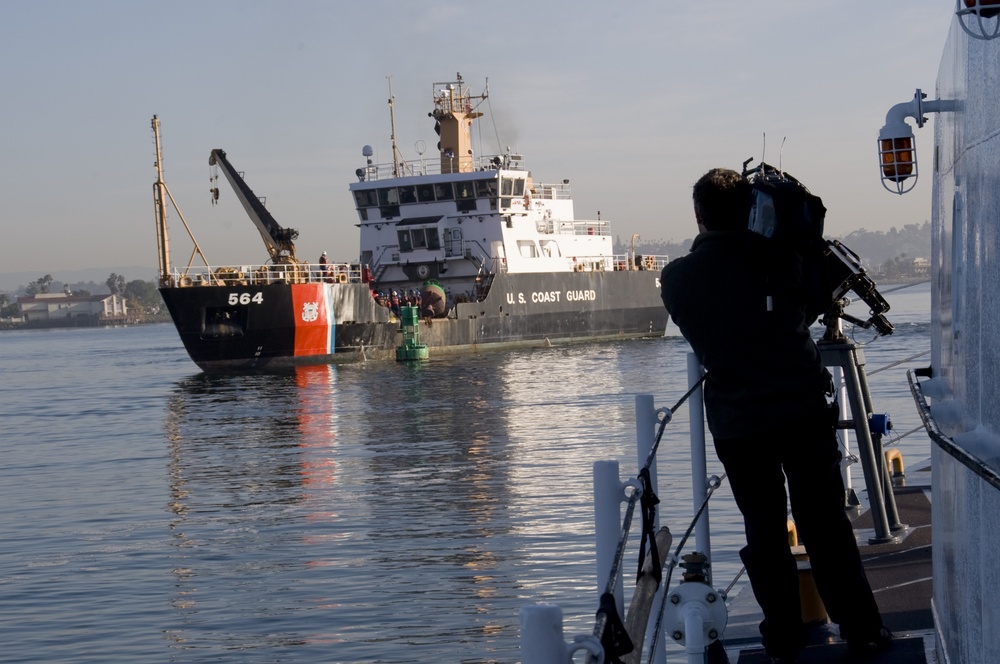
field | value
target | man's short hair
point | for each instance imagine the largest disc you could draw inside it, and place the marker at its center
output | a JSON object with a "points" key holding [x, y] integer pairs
{"points": [[722, 200]]}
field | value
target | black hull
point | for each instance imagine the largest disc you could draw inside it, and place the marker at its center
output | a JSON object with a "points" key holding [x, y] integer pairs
{"points": [[276, 326]]}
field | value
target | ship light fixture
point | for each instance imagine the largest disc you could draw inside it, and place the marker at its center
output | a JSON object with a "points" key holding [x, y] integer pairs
{"points": [[897, 147], [979, 18]]}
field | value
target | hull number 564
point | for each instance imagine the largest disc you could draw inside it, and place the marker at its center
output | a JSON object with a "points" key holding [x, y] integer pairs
{"points": [[246, 298]]}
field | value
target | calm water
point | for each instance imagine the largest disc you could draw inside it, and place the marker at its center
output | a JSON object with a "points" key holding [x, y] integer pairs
{"points": [[367, 513]]}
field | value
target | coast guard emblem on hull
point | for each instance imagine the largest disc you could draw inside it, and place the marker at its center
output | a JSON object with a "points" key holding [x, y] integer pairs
{"points": [[310, 311]]}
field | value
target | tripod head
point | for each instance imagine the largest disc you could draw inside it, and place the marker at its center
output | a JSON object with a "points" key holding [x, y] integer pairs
{"points": [[847, 275]]}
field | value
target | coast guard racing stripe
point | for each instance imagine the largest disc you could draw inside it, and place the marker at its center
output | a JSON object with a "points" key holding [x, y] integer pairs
{"points": [[314, 324]]}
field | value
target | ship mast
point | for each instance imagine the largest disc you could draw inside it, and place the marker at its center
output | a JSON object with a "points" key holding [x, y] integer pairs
{"points": [[159, 202], [397, 158], [160, 195], [453, 113]]}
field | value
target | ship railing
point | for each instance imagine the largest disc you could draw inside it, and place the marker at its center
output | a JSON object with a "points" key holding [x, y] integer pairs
{"points": [[551, 192], [694, 613], [264, 274], [651, 262], [572, 227], [435, 165], [475, 252], [431, 166], [592, 263]]}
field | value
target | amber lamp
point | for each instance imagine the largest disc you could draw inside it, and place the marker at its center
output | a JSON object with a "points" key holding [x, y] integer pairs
{"points": [[897, 148], [898, 162], [897, 157]]}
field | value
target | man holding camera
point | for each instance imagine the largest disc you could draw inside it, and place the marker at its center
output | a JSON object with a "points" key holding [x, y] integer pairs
{"points": [[768, 404]]}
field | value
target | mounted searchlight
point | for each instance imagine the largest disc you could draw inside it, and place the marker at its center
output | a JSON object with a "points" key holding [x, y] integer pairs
{"points": [[897, 148], [979, 17]]}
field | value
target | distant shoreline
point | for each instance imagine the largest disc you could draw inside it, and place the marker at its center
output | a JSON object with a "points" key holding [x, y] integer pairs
{"points": [[902, 281]]}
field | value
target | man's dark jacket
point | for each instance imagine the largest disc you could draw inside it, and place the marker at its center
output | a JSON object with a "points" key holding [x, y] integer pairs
{"points": [[741, 310]]}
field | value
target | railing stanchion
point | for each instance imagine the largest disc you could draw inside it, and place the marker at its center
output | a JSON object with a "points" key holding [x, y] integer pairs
{"points": [[646, 422], [699, 463], [608, 496], [645, 438], [542, 634]]}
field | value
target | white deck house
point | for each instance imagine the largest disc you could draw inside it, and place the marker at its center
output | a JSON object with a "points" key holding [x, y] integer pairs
{"points": [[65, 309]]}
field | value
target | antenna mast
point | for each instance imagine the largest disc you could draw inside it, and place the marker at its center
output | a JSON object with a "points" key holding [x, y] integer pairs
{"points": [[397, 158]]}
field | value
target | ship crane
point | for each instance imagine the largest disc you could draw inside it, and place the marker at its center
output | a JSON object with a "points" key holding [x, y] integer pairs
{"points": [[278, 240]]}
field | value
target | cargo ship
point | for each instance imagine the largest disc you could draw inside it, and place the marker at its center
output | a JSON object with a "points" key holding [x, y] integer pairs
{"points": [[459, 253]]}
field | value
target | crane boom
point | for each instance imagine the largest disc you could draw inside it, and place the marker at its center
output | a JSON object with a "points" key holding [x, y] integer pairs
{"points": [[278, 240]]}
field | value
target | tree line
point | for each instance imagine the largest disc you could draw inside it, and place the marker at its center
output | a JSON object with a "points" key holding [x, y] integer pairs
{"points": [[142, 296]]}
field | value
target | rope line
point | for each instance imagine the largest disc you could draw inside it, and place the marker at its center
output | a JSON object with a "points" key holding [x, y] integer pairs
{"points": [[648, 502], [896, 439], [896, 364], [902, 286]]}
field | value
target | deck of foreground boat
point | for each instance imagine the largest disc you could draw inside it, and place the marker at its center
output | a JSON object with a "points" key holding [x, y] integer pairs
{"points": [[900, 575]]}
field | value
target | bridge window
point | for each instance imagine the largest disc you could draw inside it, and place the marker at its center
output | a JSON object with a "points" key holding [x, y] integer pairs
{"points": [[425, 193], [486, 188], [388, 196], [510, 189], [443, 191], [388, 202], [366, 198], [408, 194]]}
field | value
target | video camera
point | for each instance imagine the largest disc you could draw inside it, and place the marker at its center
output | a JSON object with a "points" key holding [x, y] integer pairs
{"points": [[785, 211], [845, 270]]}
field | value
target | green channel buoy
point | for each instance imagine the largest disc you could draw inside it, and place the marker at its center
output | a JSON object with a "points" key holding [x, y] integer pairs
{"points": [[411, 349]]}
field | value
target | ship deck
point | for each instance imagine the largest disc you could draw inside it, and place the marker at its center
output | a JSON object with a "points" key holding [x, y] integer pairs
{"points": [[900, 575]]}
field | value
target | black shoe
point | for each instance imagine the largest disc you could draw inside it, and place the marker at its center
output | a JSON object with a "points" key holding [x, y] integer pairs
{"points": [[868, 645]]}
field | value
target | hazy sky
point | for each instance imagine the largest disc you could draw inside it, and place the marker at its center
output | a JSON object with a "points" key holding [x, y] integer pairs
{"points": [[631, 101]]}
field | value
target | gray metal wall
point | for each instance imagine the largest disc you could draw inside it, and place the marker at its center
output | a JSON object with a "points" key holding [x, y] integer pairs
{"points": [[965, 162]]}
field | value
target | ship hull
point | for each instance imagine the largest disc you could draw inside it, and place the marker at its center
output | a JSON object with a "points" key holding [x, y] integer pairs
{"points": [[276, 326]]}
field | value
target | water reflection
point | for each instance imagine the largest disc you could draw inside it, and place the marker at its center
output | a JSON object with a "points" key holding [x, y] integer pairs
{"points": [[235, 483], [336, 496], [438, 456]]}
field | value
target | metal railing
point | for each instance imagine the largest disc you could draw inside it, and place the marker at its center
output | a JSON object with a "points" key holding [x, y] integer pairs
{"points": [[695, 613], [433, 166], [264, 274], [653, 263]]}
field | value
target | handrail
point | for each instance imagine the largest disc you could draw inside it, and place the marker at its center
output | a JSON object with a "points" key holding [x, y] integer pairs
{"points": [[267, 273], [983, 470], [432, 166], [651, 262]]}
